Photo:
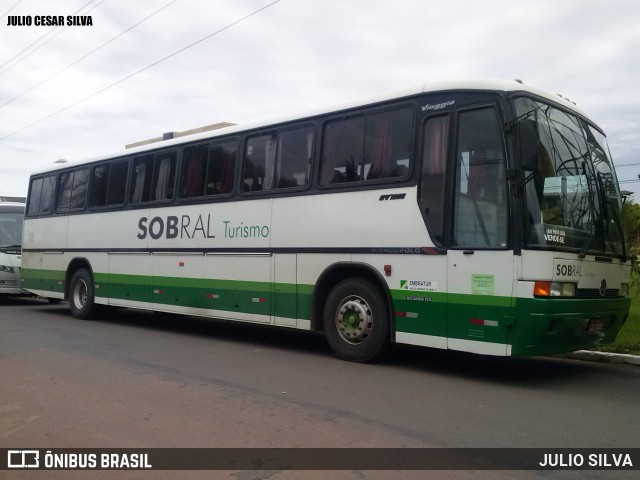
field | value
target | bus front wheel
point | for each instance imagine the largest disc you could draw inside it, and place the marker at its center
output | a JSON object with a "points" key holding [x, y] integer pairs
{"points": [[81, 295], [356, 320]]}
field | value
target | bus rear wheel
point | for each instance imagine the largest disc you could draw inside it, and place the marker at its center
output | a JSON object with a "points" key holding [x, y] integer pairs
{"points": [[356, 320], [81, 295]]}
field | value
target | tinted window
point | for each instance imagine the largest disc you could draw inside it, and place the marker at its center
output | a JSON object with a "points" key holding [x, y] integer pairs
{"points": [[46, 199], [108, 184], [294, 157], [41, 195], [342, 151], [259, 160], [34, 196], [153, 177], [372, 147], [72, 190], [208, 170], [221, 169]]}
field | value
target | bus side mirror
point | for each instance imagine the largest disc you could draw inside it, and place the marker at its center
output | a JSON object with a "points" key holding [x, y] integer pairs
{"points": [[527, 135]]}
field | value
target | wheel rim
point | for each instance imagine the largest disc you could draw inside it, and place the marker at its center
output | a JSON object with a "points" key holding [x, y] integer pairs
{"points": [[80, 294], [354, 320]]}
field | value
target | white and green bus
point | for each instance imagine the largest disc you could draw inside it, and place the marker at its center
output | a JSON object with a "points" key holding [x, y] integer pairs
{"points": [[480, 216]]}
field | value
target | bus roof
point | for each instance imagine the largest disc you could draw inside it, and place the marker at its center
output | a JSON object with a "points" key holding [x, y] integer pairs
{"points": [[468, 85]]}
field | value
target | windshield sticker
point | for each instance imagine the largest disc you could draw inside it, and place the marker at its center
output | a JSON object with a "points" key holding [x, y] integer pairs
{"points": [[555, 235], [419, 285], [482, 284]]}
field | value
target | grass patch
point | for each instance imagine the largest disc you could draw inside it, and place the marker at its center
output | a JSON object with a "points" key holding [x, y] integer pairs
{"points": [[628, 339]]}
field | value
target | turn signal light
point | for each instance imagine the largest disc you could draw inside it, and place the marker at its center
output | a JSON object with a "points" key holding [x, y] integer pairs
{"points": [[554, 289]]}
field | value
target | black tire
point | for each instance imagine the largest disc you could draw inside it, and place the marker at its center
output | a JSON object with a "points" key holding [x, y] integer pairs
{"points": [[82, 295], [356, 320]]}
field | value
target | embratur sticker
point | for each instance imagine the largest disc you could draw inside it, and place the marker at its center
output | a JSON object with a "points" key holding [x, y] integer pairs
{"points": [[419, 285]]}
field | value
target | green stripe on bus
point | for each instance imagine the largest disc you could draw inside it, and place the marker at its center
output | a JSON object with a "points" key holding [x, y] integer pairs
{"points": [[532, 326]]}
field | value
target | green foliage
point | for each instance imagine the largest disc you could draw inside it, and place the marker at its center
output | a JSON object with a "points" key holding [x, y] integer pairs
{"points": [[628, 339], [631, 227]]}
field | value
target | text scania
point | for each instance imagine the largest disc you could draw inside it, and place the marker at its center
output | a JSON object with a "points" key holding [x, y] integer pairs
{"points": [[175, 227]]}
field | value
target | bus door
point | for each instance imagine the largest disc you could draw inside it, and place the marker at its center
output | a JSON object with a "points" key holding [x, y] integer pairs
{"points": [[480, 264]]}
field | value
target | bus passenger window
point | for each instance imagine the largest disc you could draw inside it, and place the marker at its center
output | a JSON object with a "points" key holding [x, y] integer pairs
{"points": [[163, 176], [34, 196], [80, 186], [294, 157], [108, 184], [372, 147], [480, 207], [65, 183], [342, 151], [260, 156], [153, 177], [193, 171], [117, 188], [221, 169], [72, 190], [41, 195], [388, 144]]}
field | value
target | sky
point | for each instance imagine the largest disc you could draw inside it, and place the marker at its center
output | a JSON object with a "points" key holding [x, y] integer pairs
{"points": [[153, 66]]}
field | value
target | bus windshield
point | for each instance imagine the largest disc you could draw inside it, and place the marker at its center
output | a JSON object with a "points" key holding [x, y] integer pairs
{"points": [[572, 200], [10, 229]]}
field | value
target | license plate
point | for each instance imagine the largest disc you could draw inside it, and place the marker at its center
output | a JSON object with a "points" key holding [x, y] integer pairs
{"points": [[595, 325]]}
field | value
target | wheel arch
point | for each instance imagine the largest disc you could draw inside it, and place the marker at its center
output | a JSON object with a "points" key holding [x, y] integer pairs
{"points": [[74, 265], [339, 271]]}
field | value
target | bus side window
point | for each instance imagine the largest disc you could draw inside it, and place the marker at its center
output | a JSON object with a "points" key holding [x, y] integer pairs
{"points": [[163, 176], [117, 188], [259, 161], [193, 171], [294, 157], [72, 190], [221, 169], [41, 195], [153, 177], [480, 207], [436, 136], [142, 174], [108, 184], [342, 151], [388, 144], [34, 196], [65, 186]]}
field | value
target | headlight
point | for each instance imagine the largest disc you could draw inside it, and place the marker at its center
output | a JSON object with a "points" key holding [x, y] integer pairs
{"points": [[4, 268], [554, 289]]}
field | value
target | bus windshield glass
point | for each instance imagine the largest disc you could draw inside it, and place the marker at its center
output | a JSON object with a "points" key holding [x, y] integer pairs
{"points": [[10, 229], [572, 199]]}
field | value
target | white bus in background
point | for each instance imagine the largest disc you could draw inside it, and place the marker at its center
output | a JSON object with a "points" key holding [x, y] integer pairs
{"points": [[481, 216], [11, 219]]}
